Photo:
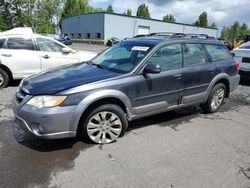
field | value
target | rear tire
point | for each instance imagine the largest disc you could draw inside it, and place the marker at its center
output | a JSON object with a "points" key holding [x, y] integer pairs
{"points": [[4, 79], [104, 124], [215, 99]]}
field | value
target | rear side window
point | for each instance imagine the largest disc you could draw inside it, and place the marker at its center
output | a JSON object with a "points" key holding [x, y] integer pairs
{"points": [[20, 44], [2, 42], [194, 54], [217, 52]]}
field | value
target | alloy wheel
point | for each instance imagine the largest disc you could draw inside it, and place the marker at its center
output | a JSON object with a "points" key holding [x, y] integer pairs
{"points": [[217, 98], [104, 127]]}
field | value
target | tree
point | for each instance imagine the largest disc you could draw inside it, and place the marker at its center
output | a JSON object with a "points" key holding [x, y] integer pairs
{"points": [[110, 9], [128, 12], [213, 26], [169, 18], [202, 20], [143, 11], [230, 33]]}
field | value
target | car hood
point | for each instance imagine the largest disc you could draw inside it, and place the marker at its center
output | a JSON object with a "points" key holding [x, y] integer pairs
{"points": [[61, 78]]}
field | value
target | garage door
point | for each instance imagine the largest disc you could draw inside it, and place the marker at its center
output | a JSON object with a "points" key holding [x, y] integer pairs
{"points": [[143, 30]]}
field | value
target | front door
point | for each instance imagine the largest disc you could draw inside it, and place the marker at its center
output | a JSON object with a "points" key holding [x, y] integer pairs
{"points": [[52, 55], [158, 91]]}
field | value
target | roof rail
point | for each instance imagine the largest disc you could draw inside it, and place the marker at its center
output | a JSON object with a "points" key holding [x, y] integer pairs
{"points": [[191, 36]]}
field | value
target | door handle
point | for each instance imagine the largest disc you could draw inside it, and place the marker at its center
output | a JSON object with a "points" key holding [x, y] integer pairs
{"points": [[178, 76], [46, 56], [6, 55]]}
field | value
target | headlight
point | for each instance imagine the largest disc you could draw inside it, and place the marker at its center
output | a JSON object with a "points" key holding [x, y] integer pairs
{"points": [[46, 101]]}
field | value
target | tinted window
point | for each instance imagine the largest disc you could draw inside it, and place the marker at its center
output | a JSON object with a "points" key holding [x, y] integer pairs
{"points": [[20, 43], [48, 45], [168, 57], [194, 54], [2, 42], [217, 52]]}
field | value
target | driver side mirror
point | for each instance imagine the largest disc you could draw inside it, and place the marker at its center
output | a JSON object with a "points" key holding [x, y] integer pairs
{"points": [[152, 69], [66, 50]]}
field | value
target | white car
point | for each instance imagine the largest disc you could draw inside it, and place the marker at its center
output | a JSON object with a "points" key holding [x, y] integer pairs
{"points": [[242, 54], [22, 55]]}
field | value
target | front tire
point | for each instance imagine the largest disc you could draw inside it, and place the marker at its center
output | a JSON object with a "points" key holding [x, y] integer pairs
{"points": [[215, 99], [105, 124], [4, 79]]}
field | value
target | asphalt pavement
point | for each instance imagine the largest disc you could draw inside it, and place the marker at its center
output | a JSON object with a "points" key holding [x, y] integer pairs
{"points": [[180, 149]]}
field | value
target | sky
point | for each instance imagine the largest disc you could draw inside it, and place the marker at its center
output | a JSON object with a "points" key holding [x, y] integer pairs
{"points": [[222, 12]]}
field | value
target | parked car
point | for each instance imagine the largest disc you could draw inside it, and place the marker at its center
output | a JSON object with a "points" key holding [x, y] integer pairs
{"points": [[22, 55], [133, 79], [242, 54], [112, 41], [65, 40]]}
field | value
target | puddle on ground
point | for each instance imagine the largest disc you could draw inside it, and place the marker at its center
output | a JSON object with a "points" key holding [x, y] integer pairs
{"points": [[31, 164]]}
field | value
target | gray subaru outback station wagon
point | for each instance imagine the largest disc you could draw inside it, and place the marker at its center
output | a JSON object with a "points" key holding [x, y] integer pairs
{"points": [[133, 79]]}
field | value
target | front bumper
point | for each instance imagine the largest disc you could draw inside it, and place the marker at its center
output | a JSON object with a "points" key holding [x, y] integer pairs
{"points": [[46, 123]]}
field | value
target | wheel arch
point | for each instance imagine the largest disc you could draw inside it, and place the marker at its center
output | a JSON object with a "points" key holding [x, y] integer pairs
{"points": [[100, 98], [220, 78], [7, 70]]}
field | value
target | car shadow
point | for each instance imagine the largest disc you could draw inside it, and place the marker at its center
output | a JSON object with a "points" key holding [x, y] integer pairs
{"points": [[171, 119]]}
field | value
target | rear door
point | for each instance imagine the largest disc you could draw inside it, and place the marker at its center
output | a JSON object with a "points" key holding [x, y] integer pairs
{"points": [[19, 55], [52, 55], [198, 72]]}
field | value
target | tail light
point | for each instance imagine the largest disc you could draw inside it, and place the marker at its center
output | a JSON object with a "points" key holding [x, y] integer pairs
{"points": [[237, 64]]}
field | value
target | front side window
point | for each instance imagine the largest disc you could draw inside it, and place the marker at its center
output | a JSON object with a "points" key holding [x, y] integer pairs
{"points": [[194, 54], [48, 45], [168, 57], [217, 52], [123, 57], [19, 43], [2, 42]]}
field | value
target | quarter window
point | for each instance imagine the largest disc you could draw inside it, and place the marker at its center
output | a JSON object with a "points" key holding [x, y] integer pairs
{"points": [[168, 57], [48, 45], [217, 52], [194, 54], [20, 43]]}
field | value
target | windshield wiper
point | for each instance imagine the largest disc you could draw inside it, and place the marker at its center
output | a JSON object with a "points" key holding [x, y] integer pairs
{"points": [[98, 65]]}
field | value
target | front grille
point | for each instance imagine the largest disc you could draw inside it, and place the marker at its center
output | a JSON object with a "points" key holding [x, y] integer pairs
{"points": [[246, 59], [20, 95]]}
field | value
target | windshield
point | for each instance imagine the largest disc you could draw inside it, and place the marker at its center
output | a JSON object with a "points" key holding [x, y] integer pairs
{"points": [[123, 57]]}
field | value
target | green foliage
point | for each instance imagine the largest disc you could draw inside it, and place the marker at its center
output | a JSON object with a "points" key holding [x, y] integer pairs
{"points": [[202, 21], [169, 18], [213, 26], [230, 33], [128, 12], [110, 9], [143, 11], [41, 15]]}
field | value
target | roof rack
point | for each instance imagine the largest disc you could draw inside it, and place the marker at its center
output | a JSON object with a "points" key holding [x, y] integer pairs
{"points": [[191, 36]]}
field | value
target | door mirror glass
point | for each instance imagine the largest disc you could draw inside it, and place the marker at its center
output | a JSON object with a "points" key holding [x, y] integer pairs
{"points": [[152, 69], [66, 50]]}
